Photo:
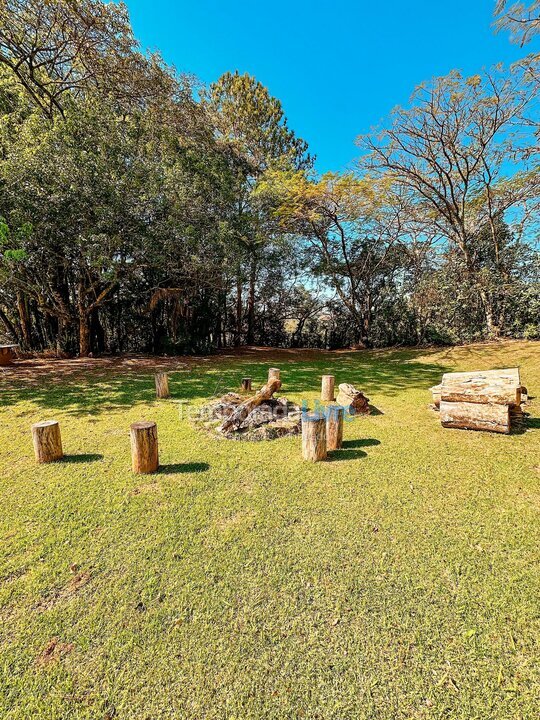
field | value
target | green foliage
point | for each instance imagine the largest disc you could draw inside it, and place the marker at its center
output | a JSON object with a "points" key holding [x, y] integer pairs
{"points": [[142, 215]]}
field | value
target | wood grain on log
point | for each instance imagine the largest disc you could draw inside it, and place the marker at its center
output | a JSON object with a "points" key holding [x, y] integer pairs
{"points": [[352, 399], [327, 388], [242, 411], [334, 426], [144, 447], [475, 416], [162, 385], [274, 374], [500, 387], [47, 441], [246, 384], [314, 437]]}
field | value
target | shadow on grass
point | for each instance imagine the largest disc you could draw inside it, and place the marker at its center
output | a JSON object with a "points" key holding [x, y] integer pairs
{"points": [[532, 423], [83, 458], [381, 373], [361, 442], [178, 468], [345, 454]]}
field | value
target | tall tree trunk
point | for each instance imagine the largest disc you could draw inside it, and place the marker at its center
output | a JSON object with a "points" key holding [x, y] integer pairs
{"points": [[487, 303], [24, 320], [251, 300], [84, 334], [239, 310], [10, 327], [84, 322]]}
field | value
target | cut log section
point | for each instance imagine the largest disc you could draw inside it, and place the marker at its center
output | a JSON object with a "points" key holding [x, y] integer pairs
{"points": [[475, 416], [334, 426], [314, 438], [246, 384], [353, 400], [144, 447], [436, 394], [274, 374], [162, 385], [242, 411], [498, 387], [47, 441], [327, 388]]}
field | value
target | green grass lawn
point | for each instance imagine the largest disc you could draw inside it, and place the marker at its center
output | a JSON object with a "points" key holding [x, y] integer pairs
{"points": [[400, 579]]}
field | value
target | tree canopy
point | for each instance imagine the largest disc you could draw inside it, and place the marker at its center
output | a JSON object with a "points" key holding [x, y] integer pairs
{"points": [[141, 210]]}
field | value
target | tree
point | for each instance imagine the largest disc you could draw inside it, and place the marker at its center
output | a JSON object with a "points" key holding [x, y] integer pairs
{"points": [[521, 19], [461, 155], [62, 49], [250, 124], [353, 232]]}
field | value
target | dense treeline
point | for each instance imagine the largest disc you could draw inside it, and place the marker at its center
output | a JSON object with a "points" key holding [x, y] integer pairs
{"points": [[141, 211]]}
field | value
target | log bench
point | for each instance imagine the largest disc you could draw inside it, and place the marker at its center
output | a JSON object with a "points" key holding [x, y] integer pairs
{"points": [[480, 400]]}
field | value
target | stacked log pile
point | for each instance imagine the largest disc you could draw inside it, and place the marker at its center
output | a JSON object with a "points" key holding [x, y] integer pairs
{"points": [[481, 400]]}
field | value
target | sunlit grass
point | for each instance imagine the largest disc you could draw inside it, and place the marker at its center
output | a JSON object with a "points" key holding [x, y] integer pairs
{"points": [[400, 579]]}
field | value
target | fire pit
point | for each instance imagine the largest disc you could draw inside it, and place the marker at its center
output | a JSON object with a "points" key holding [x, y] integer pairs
{"points": [[260, 417]]}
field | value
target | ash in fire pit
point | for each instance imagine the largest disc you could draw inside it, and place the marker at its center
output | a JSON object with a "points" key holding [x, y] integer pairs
{"points": [[261, 417]]}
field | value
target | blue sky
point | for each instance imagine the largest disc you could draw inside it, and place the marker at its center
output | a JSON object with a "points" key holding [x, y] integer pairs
{"points": [[337, 67]]}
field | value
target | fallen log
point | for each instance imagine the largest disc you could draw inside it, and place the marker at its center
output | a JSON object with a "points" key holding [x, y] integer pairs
{"points": [[475, 416], [354, 401], [234, 421], [498, 387]]}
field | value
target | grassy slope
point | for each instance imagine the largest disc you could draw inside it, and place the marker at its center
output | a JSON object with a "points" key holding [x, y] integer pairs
{"points": [[398, 580]]}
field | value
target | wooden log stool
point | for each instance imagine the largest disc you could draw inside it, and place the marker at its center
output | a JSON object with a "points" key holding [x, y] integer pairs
{"points": [[334, 426], [314, 437], [47, 441], [327, 388], [144, 447], [162, 385], [246, 384]]}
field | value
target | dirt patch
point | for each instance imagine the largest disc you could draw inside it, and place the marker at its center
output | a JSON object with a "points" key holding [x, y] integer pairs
{"points": [[235, 520], [78, 581], [53, 652], [146, 488], [34, 370]]}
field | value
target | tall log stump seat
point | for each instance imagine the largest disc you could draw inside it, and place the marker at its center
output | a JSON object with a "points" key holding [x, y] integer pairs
{"points": [[314, 437], [47, 441], [327, 388], [487, 400], [162, 385], [144, 447], [334, 426], [7, 354]]}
